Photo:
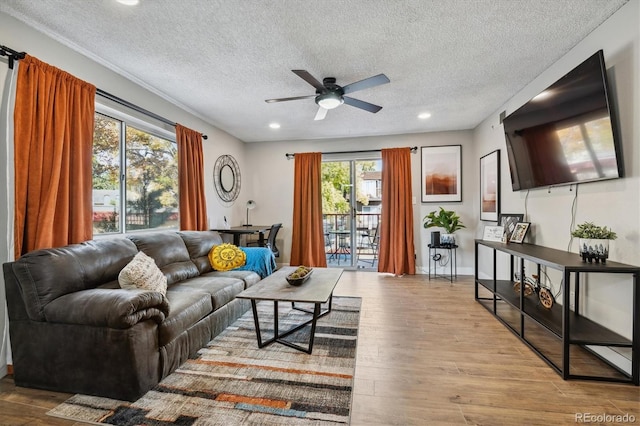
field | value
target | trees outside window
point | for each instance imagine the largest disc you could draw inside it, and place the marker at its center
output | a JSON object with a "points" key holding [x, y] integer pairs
{"points": [[135, 178], [336, 183]]}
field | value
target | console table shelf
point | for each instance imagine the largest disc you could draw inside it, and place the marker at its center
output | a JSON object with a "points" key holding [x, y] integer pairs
{"points": [[522, 314]]}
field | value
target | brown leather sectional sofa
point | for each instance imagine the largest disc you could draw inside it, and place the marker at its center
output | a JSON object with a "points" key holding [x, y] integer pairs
{"points": [[73, 329]]}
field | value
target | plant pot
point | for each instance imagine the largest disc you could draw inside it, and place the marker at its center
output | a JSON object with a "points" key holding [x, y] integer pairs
{"points": [[447, 239], [593, 249]]}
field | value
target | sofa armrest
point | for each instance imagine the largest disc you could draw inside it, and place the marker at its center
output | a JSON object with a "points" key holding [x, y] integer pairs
{"points": [[113, 308]]}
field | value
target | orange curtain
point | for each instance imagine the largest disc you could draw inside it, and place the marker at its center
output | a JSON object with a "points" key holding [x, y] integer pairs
{"points": [[53, 120], [193, 205], [307, 246], [397, 253]]}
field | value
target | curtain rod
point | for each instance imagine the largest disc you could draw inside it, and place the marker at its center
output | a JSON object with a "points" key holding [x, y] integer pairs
{"points": [[413, 149], [11, 54], [135, 107], [15, 56]]}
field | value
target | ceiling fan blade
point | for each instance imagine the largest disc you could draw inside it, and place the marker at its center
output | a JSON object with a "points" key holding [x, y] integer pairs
{"points": [[376, 80], [295, 98], [361, 104], [309, 79], [321, 114]]}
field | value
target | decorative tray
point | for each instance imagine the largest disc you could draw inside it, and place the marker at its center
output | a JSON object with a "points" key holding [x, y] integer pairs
{"points": [[299, 276]]}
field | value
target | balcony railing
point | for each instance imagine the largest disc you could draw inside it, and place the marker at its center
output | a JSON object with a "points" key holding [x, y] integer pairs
{"points": [[339, 248], [333, 221]]}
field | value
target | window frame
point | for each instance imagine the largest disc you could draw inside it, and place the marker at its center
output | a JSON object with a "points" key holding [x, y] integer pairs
{"points": [[148, 125]]}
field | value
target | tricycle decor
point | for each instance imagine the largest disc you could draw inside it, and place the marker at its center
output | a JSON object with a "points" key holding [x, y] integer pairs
{"points": [[532, 285], [593, 241]]}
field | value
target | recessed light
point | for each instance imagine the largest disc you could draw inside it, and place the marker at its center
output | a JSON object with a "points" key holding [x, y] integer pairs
{"points": [[274, 125], [424, 115], [128, 2]]}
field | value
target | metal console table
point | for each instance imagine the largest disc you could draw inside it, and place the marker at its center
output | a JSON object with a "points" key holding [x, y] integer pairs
{"points": [[435, 257], [561, 333]]}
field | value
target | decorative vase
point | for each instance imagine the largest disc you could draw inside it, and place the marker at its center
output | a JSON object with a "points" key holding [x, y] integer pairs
{"points": [[594, 249], [447, 239]]}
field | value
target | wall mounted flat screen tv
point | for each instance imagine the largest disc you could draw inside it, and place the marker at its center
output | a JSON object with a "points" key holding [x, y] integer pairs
{"points": [[567, 134]]}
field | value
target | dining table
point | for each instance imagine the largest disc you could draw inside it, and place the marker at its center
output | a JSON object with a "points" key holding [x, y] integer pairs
{"points": [[239, 231]]}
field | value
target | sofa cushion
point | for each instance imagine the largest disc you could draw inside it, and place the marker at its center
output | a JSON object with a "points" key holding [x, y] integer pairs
{"points": [[225, 257], [186, 309], [44, 275], [222, 289], [143, 273], [249, 277], [169, 252], [199, 244], [115, 308]]}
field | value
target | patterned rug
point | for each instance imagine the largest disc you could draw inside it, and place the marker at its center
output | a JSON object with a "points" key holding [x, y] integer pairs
{"points": [[232, 382]]}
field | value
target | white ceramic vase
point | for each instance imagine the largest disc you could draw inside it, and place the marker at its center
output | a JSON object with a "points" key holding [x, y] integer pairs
{"points": [[593, 249], [447, 239]]}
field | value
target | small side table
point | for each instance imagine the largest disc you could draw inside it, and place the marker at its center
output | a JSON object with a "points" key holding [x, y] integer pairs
{"points": [[435, 255]]}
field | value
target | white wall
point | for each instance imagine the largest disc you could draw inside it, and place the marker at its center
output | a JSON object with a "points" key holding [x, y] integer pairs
{"points": [[613, 203], [271, 183]]}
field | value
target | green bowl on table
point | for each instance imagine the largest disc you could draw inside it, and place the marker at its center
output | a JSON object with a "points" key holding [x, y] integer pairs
{"points": [[299, 276]]}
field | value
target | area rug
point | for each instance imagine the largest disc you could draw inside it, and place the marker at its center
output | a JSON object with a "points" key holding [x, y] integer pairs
{"points": [[232, 382]]}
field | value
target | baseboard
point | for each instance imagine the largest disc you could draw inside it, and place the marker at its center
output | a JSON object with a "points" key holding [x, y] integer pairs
{"points": [[6, 370], [424, 270]]}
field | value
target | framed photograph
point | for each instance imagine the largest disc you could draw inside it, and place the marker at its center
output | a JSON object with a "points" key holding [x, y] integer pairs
{"points": [[490, 186], [519, 233], [509, 221], [493, 233], [441, 174]]}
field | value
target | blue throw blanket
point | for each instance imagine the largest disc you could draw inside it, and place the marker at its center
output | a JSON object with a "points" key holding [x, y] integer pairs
{"points": [[260, 260]]}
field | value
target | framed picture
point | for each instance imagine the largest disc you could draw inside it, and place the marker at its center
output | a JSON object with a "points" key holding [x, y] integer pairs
{"points": [[493, 233], [520, 232], [441, 173], [509, 221], [490, 186]]}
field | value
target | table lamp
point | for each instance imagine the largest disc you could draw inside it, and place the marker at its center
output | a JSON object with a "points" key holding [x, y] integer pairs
{"points": [[250, 206]]}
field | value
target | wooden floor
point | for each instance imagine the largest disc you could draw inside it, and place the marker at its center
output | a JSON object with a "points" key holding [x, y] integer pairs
{"points": [[428, 354]]}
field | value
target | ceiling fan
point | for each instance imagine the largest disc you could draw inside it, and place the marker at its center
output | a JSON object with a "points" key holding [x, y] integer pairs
{"points": [[330, 95]]}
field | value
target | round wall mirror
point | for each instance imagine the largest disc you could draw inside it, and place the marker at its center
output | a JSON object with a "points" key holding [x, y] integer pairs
{"points": [[226, 178]]}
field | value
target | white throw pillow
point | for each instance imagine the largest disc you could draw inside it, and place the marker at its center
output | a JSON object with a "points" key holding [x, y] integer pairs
{"points": [[143, 273]]}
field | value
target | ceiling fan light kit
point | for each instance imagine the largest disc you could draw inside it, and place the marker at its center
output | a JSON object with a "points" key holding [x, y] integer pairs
{"points": [[329, 100], [330, 95]]}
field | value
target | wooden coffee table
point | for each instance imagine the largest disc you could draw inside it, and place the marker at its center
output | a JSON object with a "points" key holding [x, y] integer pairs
{"points": [[318, 289]]}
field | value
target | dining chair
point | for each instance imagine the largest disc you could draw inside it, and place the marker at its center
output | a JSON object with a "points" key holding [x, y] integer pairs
{"points": [[271, 239], [373, 244]]}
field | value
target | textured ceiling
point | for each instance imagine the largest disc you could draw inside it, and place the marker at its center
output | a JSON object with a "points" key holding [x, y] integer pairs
{"points": [[460, 60]]}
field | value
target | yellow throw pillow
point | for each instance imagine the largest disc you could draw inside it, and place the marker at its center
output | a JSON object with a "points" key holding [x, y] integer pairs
{"points": [[225, 257]]}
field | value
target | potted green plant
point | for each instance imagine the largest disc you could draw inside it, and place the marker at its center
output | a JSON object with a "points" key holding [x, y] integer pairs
{"points": [[445, 219], [593, 241]]}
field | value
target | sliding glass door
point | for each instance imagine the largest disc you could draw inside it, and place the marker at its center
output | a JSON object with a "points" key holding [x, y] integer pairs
{"points": [[351, 205]]}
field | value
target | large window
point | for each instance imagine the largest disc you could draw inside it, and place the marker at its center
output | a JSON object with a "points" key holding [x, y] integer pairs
{"points": [[135, 178]]}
